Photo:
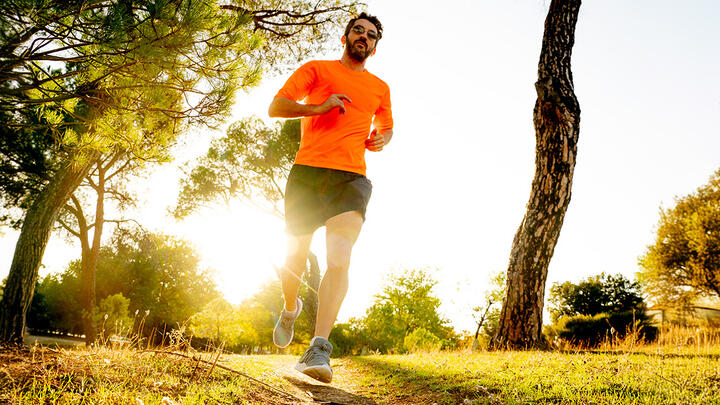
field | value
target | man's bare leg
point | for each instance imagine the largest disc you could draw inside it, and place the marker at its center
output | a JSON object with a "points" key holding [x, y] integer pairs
{"points": [[342, 231], [295, 264]]}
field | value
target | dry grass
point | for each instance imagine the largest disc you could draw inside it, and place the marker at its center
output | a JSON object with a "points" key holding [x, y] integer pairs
{"points": [[120, 375], [682, 368]]}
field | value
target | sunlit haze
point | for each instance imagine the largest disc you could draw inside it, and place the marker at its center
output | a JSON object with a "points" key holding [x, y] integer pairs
{"points": [[450, 190]]}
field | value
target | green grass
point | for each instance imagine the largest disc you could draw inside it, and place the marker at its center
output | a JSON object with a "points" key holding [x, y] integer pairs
{"points": [[549, 377], [648, 375]]}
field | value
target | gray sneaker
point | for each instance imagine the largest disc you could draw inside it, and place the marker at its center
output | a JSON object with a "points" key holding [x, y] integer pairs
{"points": [[283, 332], [315, 362]]}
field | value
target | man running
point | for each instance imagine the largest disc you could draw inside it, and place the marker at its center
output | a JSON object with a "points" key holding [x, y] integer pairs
{"points": [[327, 184]]}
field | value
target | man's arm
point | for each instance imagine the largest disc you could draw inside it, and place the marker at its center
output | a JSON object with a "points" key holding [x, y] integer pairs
{"points": [[282, 107]]}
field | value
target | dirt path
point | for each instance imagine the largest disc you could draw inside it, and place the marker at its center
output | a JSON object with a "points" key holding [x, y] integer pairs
{"points": [[346, 387]]}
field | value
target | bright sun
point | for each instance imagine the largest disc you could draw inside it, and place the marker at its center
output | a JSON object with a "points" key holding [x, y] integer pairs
{"points": [[241, 243]]}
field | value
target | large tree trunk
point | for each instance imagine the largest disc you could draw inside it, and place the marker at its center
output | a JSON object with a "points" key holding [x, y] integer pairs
{"points": [[557, 118], [34, 235]]}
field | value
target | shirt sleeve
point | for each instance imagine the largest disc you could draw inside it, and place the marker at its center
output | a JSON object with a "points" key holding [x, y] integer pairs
{"points": [[299, 84], [383, 116]]}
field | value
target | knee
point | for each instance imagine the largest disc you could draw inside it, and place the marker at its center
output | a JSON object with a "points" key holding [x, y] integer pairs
{"points": [[338, 263], [338, 254]]}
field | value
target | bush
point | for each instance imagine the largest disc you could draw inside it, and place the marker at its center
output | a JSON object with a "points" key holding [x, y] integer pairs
{"points": [[420, 340], [345, 339], [590, 331], [628, 322]]}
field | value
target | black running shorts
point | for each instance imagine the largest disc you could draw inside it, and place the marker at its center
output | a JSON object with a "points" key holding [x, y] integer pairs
{"points": [[315, 194]]}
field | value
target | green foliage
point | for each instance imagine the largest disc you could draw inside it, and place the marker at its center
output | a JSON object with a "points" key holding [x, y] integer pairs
{"points": [[56, 305], [112, 317], [251, 162], [26, 158], [598, 294], [221, 322], [40, 317], [598, 308], [589, 330], [156, 273], [216, 321], [81, 78], [347, 338], [405, 304], [492, 307], [684, 261], [420, 340]]}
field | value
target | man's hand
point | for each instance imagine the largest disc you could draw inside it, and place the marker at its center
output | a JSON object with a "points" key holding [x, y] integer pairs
{"points": [[376, 141], [335, 100]]}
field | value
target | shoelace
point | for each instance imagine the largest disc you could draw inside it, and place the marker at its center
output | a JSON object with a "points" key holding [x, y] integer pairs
{"points": [[315, 353], [287, 322]]}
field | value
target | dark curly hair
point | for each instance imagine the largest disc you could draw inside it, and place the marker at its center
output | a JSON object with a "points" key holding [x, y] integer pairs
{"points": [[365, 16]]}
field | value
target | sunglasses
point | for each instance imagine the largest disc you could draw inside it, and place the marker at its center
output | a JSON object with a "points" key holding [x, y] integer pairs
{"points": [[359, 29]]}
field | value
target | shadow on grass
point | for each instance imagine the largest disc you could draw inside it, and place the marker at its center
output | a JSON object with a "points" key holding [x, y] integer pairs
{"points": [[406, 385], [411, 386], [327, 394]]}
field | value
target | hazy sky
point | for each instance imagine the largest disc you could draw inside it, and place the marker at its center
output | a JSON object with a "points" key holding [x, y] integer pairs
{"points": [[451, 189]]}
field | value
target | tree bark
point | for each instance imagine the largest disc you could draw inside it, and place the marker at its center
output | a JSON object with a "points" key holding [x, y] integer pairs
{"points": [[34, 235], [557, 118]]}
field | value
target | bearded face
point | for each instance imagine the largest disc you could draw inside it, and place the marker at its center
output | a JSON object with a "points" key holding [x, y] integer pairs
{"points": [[359, 49]]}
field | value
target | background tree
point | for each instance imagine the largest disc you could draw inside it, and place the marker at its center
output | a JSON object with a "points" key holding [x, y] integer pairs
{"points": [[111, 317], [405, 305], [95, 75], [684, 261], [56, 305], [557, 124], [597, 294], [251, 163], [349, 338], [217, 321], [104, 184], [599, 308], [487, 315], [156, 273]]}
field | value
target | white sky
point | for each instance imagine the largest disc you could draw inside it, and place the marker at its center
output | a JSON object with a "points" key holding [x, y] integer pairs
{"points": [[450, 190]]}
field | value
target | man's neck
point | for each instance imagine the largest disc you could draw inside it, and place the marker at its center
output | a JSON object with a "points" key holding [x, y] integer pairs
{"points": [[351, 63]]}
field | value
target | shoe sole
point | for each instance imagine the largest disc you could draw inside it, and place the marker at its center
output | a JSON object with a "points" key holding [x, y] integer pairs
{"points": [[321, 373]]}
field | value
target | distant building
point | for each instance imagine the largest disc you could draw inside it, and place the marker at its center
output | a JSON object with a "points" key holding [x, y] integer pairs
{"points": [[660, 314]]}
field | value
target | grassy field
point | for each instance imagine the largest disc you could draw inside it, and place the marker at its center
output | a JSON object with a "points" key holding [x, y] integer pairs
{"points": [[646, 375]]}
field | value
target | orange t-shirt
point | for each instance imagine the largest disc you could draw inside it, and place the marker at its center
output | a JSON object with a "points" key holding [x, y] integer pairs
{"points": [[333, 140]]}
